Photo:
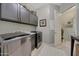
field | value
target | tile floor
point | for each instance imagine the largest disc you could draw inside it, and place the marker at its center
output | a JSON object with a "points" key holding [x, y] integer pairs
{"points": [[62, 49]]}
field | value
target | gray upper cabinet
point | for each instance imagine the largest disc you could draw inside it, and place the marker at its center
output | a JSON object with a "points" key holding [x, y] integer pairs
{"points": [[36, 20], [15, 12], [24, 14], [33, 19], [9, 11]]}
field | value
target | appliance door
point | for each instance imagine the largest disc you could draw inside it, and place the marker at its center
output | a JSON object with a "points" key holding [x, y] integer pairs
{"points": [[0, 50], [39, 39], [26, 46], [20, 46], [32, 42]]}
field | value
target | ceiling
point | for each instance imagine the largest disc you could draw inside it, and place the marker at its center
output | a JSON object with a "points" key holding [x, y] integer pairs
{"points": [[35, 6], [65, 6]]}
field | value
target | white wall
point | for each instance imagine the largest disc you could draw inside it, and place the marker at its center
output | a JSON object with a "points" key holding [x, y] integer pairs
{"points": [[48, 31], [43, 13], [65, 6], [57, 28], [6, 27], [77, 19]]}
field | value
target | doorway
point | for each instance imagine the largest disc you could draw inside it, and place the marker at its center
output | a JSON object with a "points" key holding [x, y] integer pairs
{"points": [[66, 28], [67, 24]]}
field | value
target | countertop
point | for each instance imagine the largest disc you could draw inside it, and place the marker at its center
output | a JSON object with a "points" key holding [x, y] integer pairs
{"points": [[75, 38], [13, 36]]}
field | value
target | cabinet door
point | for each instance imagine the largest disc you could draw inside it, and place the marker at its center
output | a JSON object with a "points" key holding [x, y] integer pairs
{"points": [[9, 11], [24, 14], [33, 19]]}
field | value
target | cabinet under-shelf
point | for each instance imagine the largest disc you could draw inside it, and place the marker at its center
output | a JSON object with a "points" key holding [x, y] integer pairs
{"points": [[18, 22]]}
